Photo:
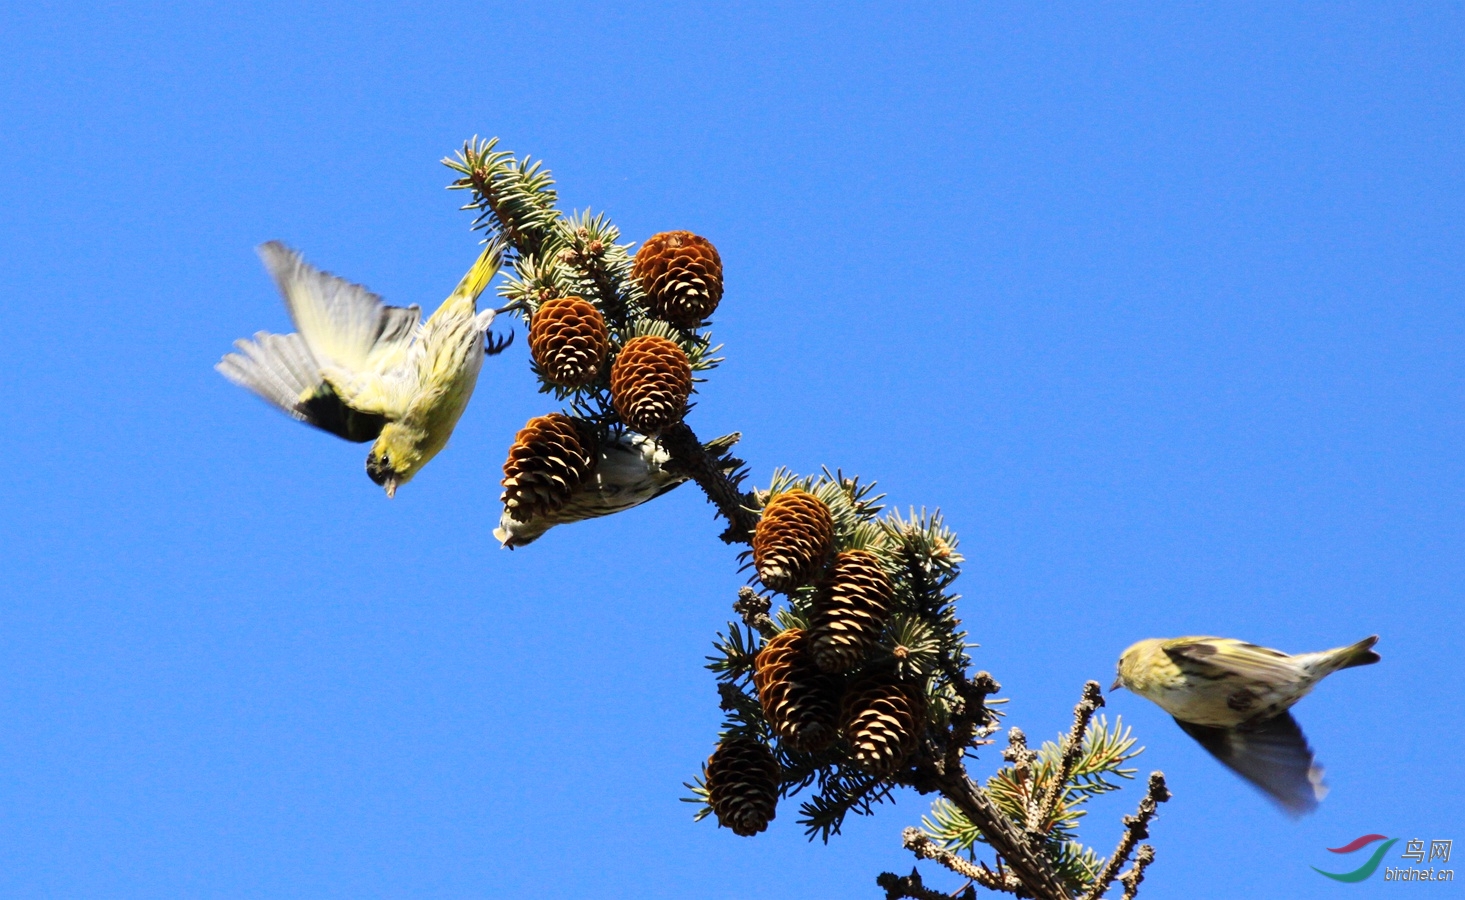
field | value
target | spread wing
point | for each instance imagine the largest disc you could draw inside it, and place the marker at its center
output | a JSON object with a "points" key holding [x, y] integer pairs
{"points": [[1217, 657], [281, 370], [347, 370], [344, 324], [1272, 755]]}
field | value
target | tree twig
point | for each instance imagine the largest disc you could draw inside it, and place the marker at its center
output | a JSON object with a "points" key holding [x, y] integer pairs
{"points": [[753, 609], [722, 487], [1131, 879], [1029, 865], [1024, 768], [970, 717], [1093, 698], [1136, 829], [920, 843]]}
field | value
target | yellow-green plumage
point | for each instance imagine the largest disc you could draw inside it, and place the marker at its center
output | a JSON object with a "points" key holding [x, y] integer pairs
{"points": [[365, 371], [1233, 697]]}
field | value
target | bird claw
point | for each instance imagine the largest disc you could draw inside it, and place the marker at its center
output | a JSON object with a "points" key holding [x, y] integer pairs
{"points": [[493, 346]]}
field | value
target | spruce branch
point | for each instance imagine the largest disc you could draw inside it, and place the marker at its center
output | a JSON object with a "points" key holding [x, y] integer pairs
{"points": [[1026, 812], [920, 843], [753, 608], [1073, 746], [722, 487], [589, 246], [1030, 866], [971, 720], [843, 793], [1136, 829], [513, 198], [1131, 879], [1024, 763]]}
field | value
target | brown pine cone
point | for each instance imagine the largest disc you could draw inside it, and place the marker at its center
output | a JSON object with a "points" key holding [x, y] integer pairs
{"points": [[569, 341], [799, 701], [850, 610], [681, 274], [742, 785], [551, 456], [882, 720], [650, 382], [792, 540]]}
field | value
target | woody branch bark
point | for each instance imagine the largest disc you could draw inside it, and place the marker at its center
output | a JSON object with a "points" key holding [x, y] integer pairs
{"points": [[1027, 862], [708, 471], [920, 843], [1131, 879], [1093, 698]]}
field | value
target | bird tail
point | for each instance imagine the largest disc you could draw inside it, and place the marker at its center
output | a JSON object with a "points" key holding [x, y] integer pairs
{"points": [[484, 268], [721, 445], [277, 367], [512, 533], [1359, 654]]}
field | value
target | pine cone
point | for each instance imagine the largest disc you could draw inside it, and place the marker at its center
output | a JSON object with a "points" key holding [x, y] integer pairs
{"points": [[742, 785], [792, 540], [552, 456], [681, 274], [883, 720], [799, 701], [569, 341], [850, 610], [650, 383]]}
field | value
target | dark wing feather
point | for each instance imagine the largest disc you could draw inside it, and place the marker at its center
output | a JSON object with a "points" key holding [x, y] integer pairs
{"points": [[1216, 658], [328, 412], [1271, 754], [281, 369]]}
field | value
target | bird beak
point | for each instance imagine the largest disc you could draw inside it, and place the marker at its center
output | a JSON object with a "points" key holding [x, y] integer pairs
{"points": [[1118, 683], [391, 487]]}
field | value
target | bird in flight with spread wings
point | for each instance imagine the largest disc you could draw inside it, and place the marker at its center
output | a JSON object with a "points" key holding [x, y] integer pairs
{"points": [[1234, 699], [365, 371]]}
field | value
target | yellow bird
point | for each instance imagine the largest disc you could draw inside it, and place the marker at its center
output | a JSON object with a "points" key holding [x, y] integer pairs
{"points": [[365, 371], [1233, 698]]}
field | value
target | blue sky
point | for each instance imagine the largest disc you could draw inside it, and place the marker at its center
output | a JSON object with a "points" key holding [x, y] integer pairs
{"points": [[1159, 303]]}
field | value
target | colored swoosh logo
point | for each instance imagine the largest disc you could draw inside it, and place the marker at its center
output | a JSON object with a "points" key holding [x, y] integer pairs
{"points": [[1358, 842], [1364, 870]]}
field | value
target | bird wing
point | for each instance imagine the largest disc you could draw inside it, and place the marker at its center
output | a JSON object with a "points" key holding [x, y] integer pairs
{"points": [[344, 324], [386, 394], [281, 369], [1271, 754], [277, 367], [1214, 658]]}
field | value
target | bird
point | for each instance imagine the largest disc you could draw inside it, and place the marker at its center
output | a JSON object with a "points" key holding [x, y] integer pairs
{"points": [[365, 371], [1234, 699], [632, 470]]}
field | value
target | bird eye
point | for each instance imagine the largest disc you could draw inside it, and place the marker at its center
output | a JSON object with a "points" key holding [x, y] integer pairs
{"points": [[378, 469]]}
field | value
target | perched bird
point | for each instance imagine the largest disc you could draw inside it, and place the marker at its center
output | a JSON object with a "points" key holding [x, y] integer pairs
{"points": [[1233, 698], [632, 470], [365, 371]]}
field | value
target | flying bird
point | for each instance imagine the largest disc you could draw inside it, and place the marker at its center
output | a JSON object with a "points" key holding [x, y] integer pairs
{"points": [[1233, 698], [365, 371], [632, 470]]}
